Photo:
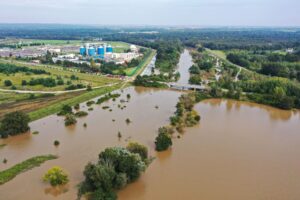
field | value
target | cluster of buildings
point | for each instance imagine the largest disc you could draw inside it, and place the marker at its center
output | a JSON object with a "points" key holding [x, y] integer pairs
{"points": [[106, 53], [98, 51]]}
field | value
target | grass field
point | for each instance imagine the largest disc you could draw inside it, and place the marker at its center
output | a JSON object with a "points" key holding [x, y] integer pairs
{"points": [[84, 78], [9, 174], [11, 97], [218, 53]]}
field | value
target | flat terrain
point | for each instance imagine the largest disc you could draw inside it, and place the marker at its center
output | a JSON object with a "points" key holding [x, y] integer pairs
{"points": [[55, 71]]}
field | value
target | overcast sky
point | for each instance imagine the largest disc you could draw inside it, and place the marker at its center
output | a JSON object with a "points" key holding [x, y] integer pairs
{"points": [[153, 12]]}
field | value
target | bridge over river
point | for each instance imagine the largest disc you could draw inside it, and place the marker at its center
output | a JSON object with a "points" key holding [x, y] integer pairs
{"points": [[181, 86]]}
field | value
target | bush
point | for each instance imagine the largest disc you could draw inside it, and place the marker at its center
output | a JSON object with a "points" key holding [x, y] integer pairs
{"points": [[128, 121], [66, 109], [163, 141], [77, 106], [56, 143], [89, 103], [166, 130], [135, 147], [24, 82], [14, 123], [81, 114], [70, 120], [89, 88], [56, 176], [7, 83]]}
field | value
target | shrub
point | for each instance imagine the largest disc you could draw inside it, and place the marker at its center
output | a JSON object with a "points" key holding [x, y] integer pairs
{"points": [[89, 88], [128, 121], [81, 114], [135, 147], [166, 130], [66, 109], [70, 120], [56, 176], [77, 106], [89, 103], [7, 83], [14, 123], [35, 133], [163, 141], [56, 143]]}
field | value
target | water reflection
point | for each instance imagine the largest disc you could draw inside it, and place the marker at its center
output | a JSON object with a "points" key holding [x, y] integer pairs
{"points": [[57, 190], [275, 114]]}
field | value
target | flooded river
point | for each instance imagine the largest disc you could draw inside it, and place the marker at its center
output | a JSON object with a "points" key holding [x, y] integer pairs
{"points": [[239, 151], [185, 62]]}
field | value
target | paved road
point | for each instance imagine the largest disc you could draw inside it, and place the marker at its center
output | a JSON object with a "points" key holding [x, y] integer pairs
{"points": [[148, 69]]}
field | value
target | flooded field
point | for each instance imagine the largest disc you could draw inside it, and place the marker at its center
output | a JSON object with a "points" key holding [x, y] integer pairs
{"points": [[239, 150]]}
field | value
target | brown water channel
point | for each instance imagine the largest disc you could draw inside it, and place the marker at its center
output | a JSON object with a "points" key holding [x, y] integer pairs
{"points": [[239, 151]]}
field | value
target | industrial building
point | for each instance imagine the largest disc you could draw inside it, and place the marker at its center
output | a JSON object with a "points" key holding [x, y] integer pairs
{"points": [[94, 51]]}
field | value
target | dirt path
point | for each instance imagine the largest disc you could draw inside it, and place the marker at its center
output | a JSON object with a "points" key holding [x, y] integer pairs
{"points": [[53, 92]]}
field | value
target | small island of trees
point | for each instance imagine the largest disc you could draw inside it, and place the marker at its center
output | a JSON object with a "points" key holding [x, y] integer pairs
{"points": [[116, 167]]}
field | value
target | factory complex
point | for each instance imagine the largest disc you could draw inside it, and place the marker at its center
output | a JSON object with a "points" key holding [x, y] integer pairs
{"points": [[75, 52], [101, 51], [106, 52]]}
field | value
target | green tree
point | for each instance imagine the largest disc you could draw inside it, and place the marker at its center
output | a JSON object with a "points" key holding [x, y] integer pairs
{"points": [[116, 167], [163, 141], [56, 176], [24, 82], [135, 147], [14, 123], [7, 83], [70, 119]]}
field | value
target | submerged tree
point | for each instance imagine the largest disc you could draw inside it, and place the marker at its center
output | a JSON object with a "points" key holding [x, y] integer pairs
{"points": [[115, 168], [70, 120], [14, 123], [163, 141], [56, 176]]}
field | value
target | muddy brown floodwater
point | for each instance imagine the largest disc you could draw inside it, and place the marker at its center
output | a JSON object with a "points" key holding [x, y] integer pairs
{"points": [[238, 151]]}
